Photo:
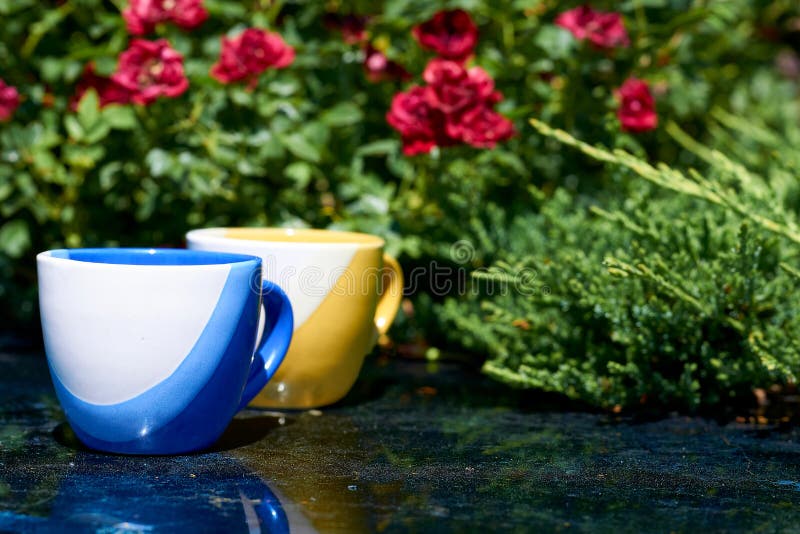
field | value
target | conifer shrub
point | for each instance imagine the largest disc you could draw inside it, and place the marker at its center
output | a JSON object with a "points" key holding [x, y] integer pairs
{"points": [[681, 294]]}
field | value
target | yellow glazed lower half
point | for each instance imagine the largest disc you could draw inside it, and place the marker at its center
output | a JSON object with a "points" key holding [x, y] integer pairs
{"points": [[329, 347]]}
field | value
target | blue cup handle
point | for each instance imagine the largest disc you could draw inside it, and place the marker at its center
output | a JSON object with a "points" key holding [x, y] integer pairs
{"points": [[278, 326]]}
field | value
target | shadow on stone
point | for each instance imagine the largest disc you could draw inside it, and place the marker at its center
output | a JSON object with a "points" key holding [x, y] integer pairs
{"points": [[451, 382], [249, 429], [64, 435], [240, 432]]}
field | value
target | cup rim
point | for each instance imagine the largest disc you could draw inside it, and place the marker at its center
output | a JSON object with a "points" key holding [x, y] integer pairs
{"points": [[331, 239], [213, 260]]}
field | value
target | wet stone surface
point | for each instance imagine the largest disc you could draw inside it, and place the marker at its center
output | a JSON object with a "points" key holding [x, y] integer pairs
{"points": [[412, 448]]}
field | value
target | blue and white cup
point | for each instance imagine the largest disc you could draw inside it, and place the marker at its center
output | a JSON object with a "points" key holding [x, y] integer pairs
{"points": [[151, 351]]}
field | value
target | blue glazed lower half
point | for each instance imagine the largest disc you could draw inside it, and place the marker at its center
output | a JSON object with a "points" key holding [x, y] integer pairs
{"points": [[190, 409]]}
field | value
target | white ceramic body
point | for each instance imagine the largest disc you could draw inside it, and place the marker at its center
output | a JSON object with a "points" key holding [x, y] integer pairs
{"points": [[149, 358]]}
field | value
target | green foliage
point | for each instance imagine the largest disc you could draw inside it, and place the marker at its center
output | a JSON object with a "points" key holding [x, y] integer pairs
{"points": [[681, 295]]}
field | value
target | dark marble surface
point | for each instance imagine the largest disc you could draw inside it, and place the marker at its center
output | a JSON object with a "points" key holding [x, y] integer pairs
{"points": [[413, 448]]}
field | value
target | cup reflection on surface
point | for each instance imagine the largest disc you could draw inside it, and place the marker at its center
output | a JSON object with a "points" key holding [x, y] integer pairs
{"points": [[117, 494], [323, 490]]}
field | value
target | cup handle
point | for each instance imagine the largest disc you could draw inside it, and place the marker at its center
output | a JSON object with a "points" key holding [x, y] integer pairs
{"points": [[278, 326], [392, 294]]}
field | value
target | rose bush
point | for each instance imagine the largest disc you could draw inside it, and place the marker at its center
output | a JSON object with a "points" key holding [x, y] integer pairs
{"points": [[128, 123]]}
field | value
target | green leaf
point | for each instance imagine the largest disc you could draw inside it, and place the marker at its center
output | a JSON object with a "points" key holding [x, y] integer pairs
{"points": [[316, 133], [97, 133], [120, 117], [9, 7], [630, 6], [83, 156], [300, 172], [225, 9], [89, 109], [5, 190], [557, 42], [284, 88], [110, 174], [15, 238], [507, 159], [379, 148], [104, 65], [72, 69], [242, 97], [74, 128], [51, 69], [342, 114], [300, 147], [158, 161], [270, 147]]}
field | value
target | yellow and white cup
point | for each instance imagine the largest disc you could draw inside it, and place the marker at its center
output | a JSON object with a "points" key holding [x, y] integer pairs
{"points": [[344, 293]]}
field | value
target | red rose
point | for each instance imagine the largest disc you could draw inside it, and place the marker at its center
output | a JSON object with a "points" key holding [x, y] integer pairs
{"points": [[453, 90], [188, 14], [109, 91], [379, 68], [420, 125], [141, 16], [149, 70], [353, 27], [455, 107], [451, 34], [604, 30], [249, 54], [9, 101], [637, 110], [481, 127]]}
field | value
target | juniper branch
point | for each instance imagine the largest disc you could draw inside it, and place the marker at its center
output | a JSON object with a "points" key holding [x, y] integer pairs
{"points": [[672, 179], [640, 270], [624, 220], [752, 183], [791, 270]]}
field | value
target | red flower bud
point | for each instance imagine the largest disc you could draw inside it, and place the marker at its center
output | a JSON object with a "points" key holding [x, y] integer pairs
{"points": [[379, 68], [9, 101], [637, 109]]}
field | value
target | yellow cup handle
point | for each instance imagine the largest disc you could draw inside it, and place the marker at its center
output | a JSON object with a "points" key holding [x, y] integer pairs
{"points": [[390, 297]]}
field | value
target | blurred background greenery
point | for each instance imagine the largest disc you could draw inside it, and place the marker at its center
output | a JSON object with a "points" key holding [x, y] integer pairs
{"points": [[642, 291]]}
